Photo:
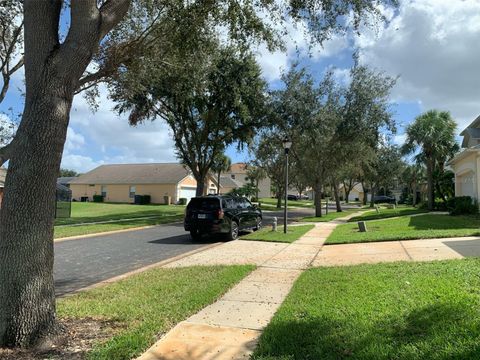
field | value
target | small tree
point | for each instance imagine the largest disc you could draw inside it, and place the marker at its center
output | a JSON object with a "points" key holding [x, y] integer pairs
{"points": [[433, 135], [220, 164], [255, 174]]}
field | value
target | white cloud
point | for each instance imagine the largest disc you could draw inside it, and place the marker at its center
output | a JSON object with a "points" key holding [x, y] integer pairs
{"points": [[106, 137], [431, 45]]}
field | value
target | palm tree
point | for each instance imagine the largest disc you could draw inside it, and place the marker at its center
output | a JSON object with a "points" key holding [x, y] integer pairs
{"points": [[221, 163], [432, 134]]}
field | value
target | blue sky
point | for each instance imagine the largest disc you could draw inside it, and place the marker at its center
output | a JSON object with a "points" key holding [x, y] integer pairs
{"points": [[429, 44]]}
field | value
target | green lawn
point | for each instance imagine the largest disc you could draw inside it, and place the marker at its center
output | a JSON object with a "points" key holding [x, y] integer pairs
{"points": [[266, 234], [408, 227], [385, 213], [124, 216], [149, 304], [86, 212], [332, 215], [269, 203], [424, 311]]}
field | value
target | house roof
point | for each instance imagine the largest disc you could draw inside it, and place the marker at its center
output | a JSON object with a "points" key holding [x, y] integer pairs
{"points": [[65, 179], [228, 182], [461, 155], [238, 168], [470, 133], [474, 124], [164, 173]]}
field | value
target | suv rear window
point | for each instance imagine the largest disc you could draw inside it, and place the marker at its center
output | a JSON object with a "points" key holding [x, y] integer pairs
{"points": [[204, 204]]}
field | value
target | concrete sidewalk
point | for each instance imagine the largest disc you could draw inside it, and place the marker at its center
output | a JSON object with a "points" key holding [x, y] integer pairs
{"points": [[230, 328], [408, 250]]}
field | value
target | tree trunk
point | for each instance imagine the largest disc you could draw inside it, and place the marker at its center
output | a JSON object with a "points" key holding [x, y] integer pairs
{"points": [[430, 190], [256, 189], [318, 200], [337, 197], [279, 200], [218, 183], [365, 195], [200, 185], [27, 295], [414, 196], [372, 200]]}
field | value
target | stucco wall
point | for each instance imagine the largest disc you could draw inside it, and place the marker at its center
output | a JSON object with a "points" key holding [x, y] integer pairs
{"points": [[466, 176], [120, 193]]}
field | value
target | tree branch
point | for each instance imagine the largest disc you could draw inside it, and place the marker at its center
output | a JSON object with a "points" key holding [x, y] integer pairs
{"points": [[7, 151], [112, 11]]}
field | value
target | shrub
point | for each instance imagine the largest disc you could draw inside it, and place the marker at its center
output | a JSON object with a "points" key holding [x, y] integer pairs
{"points": [[462, 205], [97, 198], [146, 199], [182, 201]]}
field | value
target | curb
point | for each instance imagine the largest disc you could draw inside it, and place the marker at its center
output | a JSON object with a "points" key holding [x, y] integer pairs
{"points": [[140, 270]]}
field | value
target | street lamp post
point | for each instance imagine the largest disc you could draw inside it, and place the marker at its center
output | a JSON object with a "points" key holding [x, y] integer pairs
{"points": [[287, 144]]}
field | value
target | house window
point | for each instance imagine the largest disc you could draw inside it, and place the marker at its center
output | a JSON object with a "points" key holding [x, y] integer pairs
{"points": [[104, 191], [233, 176], [132, 191]]}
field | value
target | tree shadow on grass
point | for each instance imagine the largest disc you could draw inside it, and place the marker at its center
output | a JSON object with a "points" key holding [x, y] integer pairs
{"points": [[440, 331], [444, 222]]}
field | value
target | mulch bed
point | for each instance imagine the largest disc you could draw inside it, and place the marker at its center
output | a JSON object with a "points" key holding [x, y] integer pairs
{"points": [[77, 337]]}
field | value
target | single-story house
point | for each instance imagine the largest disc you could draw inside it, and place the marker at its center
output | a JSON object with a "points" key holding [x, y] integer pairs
{"points": [[3, 174], [121, 182], [238, 173], [356, 194], [466, 164]]}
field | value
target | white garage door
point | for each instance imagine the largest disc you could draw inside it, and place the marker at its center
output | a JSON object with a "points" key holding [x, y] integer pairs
{"points": [[187, 193]]}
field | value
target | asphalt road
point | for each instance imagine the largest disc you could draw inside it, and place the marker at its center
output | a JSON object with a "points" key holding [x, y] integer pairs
{"points": [[83, 262]]}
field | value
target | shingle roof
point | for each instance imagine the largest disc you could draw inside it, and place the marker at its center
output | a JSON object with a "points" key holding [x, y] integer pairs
{"points": [[228, 182], [238, 168], [65, 179], [166, 173]]}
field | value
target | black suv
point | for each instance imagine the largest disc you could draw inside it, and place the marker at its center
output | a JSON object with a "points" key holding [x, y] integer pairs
{"points": [[222, 214]]}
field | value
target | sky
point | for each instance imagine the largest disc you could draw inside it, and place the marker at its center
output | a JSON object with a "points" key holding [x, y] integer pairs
{"points": [[431, 45]]}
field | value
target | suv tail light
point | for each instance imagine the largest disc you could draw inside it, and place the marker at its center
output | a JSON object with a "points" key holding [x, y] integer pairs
{"points": [[220, 214]]}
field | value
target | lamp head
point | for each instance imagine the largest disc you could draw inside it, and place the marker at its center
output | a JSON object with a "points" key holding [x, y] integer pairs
{"points": [[287, 144]]}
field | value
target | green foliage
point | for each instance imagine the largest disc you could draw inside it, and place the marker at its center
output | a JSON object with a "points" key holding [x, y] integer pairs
{"points": [[247, 190], [403, 310], [462, 205], [68, 173], [149, 304], [98, 198]]}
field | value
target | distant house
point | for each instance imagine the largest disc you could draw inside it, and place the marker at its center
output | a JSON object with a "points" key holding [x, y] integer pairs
{"points": [[466, 164], [356, 194], [3, 174], [238, 174], [65, 181], [120, 183]]}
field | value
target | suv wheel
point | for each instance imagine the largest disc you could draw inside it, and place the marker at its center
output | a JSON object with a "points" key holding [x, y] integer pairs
{"points": [[195, 234], [233, 234], [258, 223]]}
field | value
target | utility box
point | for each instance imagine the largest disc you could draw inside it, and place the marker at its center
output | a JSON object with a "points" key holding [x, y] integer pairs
{"points": [[362, 226]]}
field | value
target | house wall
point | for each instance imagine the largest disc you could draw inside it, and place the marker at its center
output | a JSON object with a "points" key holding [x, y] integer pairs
{"points": [[120, 193], [466, 176]]}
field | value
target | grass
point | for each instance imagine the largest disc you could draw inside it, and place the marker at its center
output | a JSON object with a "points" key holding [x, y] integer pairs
{"points": [[87, 212], [149, 304], [427, 311], [385, 213], [271, 204], [332, 215], [407, 228], [122, 216], [77, 230], [266, 234]]}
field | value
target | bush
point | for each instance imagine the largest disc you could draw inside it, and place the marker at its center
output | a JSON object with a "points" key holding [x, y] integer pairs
{"points": [[146, 199], [462, 205], [97, 198], [182, 201]]}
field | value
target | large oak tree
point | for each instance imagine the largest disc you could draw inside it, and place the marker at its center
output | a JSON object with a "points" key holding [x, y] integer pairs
{"points": [[56, 68]]}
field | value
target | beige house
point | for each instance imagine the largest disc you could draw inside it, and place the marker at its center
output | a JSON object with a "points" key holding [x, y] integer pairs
{"points": [[356, 194], [238, 176], [120, 183], [466, 164]]}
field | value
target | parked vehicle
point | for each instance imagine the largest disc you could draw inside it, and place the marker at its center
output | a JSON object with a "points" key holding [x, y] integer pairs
{"points": [[379, 199], [222, 214], [293, 197]]}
